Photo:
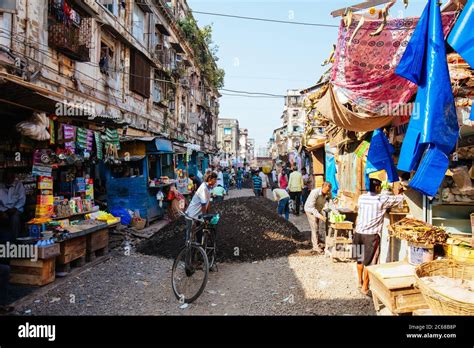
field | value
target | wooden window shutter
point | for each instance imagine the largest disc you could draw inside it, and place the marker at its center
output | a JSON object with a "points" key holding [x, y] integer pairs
{"points": [[140, 71]]}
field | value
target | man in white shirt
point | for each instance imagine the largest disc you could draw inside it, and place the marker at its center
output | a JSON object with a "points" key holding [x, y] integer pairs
{"points": [[199, 204], [265, 182], [313, 208], [12, 203], [370, 214], [220, 177]]}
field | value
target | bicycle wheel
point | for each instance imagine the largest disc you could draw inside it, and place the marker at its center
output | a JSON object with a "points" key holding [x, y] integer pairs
{"points": [[189, 273], [210, 246]]}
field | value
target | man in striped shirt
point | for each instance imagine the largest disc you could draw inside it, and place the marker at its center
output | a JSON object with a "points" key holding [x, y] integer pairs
{"points": [[257, 184], [371, 210]]}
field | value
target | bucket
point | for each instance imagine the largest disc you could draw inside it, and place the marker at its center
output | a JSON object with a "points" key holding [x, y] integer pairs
{"points": [[420, 253]]}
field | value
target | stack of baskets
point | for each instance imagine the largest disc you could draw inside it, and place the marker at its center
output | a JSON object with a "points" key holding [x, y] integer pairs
{"points": [[441, 304]]}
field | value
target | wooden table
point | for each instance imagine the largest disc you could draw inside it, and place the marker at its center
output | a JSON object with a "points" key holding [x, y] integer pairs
{"points": [[397, 292], [339, 240]]}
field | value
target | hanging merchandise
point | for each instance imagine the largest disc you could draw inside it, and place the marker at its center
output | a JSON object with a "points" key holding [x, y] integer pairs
{"points": [[84, 139], [69, 137], [98, 144], [331, 170], [364, 67], [462, 35], [52, 134], [433, 128], [36, 128], [112, 137], [379, 157]]}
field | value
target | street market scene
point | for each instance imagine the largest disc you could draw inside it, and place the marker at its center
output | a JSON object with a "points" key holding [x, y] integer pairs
{"points": [[142, 174]]}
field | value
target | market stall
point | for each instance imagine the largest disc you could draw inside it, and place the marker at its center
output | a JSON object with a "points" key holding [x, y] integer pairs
{"points": [[142, 178], [56, 162]]}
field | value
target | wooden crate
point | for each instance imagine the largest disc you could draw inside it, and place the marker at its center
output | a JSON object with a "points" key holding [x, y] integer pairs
{"points": [[49, 251], [72, 249], [97, 240], [27, 272], [398, 294]]}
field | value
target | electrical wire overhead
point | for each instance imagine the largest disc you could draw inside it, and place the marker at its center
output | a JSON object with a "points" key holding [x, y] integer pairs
{"points": [[267, 20]]}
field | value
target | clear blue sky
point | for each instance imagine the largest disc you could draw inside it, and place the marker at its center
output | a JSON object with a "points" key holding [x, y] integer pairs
{"points": [[271, 57]]}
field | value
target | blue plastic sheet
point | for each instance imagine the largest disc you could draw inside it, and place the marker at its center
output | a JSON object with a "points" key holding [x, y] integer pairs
{"points": [[462, 35], [433, 125], [380, 157], [331, 171], [472, 114]]}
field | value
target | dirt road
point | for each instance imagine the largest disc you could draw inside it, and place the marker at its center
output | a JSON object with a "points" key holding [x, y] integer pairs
{"points": [[140, 285]]}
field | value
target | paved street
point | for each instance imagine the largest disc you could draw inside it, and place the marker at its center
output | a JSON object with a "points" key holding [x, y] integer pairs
{"points": [[141, 285]]}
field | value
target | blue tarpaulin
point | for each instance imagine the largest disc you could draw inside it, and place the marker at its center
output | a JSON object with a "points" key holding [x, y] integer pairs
{"points": [[331, 171], [380, 157], [433, 127], [462, 35]]}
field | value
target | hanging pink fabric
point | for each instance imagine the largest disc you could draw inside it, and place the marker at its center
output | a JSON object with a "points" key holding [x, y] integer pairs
{"points": [[364, 69]]}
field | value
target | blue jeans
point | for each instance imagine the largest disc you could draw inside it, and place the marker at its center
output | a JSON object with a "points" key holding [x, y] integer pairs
{"points": [[239, 184], [284, 207]]}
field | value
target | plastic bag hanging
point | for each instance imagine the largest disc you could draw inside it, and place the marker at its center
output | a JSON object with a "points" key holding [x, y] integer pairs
{"points": [[379, 157], [433, 125], [462, 35]]}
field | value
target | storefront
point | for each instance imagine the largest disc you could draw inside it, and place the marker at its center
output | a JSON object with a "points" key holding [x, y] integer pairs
{"points": [[141, 179]]}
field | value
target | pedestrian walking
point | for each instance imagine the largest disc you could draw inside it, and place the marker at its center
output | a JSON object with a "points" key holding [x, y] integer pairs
{"points": [[265, 182], [283, 180], [257, 184], [226, 177], [314, 207], [239, 175], [307, 185], [220, 177], [295, 188], [283, 199]]}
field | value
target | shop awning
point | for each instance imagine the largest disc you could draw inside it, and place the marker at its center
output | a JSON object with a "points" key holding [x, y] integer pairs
{"points": [[154, 145], [163, 145], [179, 149]]}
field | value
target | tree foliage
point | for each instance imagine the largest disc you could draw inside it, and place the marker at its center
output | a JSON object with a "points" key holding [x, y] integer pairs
{"points": [[205, 50]]}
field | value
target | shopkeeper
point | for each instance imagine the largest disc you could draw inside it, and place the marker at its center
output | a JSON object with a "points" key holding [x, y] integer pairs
{"points": [[371, 210], [12, 203]]}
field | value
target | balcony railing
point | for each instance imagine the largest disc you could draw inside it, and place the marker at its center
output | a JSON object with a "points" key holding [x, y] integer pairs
{"points": [[72, 38]]}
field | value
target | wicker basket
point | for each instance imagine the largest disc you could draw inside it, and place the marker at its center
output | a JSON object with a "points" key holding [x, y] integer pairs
{"points": [[441, 304]]}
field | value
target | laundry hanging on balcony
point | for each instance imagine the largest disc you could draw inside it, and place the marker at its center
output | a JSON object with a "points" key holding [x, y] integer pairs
{"points": [[462, 35], [433, 128], [65, 13], [380, 158], [364, 65]]}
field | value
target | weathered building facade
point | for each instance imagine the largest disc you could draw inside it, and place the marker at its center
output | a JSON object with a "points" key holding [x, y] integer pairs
{"points": [[128, 61], [228, 136]]}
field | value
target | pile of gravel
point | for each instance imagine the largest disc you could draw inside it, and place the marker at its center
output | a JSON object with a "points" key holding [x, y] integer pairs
{"points": [[249, 230]]}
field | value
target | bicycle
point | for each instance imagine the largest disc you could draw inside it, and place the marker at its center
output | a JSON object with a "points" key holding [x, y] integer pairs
{"points": [[192, 265]]}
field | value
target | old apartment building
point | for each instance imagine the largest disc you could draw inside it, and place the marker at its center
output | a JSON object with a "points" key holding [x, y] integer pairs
{"points": [[130, 62]]}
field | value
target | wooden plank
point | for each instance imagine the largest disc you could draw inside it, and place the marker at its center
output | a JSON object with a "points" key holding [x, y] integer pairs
{"points": [[410, 302], [358, 7]]}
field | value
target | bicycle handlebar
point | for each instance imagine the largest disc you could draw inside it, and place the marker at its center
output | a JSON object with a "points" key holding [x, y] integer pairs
{"points": [[186, 216]]}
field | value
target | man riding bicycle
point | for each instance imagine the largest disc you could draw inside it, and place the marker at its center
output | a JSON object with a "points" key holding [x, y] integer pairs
{"points": [[200, 203]]}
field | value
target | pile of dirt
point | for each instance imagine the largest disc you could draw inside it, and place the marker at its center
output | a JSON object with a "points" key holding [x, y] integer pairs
{"points": [[249, 230]]}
